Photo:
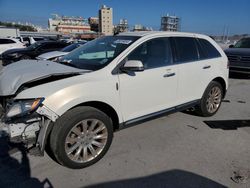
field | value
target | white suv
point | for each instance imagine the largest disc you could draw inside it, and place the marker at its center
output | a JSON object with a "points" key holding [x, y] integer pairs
{"points": [[9, 43], [74, 106]]}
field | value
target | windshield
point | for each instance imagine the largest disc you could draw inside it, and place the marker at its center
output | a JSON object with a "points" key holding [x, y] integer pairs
{"points": [[98, 53], [71, 47], [34, 46], [243, 43]]}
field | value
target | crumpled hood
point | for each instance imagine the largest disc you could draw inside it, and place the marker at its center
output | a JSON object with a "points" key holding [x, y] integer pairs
{"points": [[26, 71], [50, 55]]}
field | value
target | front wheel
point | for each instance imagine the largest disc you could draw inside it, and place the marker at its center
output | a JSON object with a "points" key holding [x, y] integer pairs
{"points": [[211, 100], [81, 137]]}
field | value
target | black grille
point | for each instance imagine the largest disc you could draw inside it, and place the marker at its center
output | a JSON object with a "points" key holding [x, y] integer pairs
{"points": [[238, 59]]}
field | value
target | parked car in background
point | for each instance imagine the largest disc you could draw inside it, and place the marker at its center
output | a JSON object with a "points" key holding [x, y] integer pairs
{"points": [[32, 51], [239, 56], [9, 43], [30, 40], [54, 55], [73, 106]]}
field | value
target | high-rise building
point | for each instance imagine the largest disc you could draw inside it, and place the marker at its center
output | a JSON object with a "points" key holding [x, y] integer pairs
{"points": [[170, 23], [106, 20]]}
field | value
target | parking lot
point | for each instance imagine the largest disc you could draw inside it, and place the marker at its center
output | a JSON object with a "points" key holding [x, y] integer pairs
{"points": [[179, 150]]}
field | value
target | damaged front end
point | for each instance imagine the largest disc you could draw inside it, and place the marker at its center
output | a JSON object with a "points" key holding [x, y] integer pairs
{"points": [[26, 121]]}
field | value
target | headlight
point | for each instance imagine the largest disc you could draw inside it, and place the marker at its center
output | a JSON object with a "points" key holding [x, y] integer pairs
{"points": [[24, 107]]}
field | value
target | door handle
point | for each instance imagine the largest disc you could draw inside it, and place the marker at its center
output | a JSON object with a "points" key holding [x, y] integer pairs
{"points": [[207, 67], [169, 75]]}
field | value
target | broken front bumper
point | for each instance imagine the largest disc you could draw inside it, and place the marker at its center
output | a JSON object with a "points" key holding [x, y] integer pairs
{"points": [[32, 130], [22, 130]]}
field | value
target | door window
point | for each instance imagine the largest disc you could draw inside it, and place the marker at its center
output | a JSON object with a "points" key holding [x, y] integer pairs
{"points": [[153, 53], [185, 49]]}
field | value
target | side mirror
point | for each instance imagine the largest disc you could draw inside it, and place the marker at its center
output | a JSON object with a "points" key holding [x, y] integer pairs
{"points": [[132, 65], [231, 46]]}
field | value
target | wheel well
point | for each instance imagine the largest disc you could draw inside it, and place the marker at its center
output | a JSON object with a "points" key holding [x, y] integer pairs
{"points": [[223, 84], [107, 109]]}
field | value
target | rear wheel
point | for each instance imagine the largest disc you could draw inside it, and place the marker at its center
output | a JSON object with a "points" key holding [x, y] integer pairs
{"points": [[211, 100], [81, 137]]}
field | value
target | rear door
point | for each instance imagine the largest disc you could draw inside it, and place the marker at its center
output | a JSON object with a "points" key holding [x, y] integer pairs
{"points": [[196, 67], [191, 74]]}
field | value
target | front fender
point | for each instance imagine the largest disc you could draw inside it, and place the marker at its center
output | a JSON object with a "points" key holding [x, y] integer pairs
{"points": [[60, 97]]}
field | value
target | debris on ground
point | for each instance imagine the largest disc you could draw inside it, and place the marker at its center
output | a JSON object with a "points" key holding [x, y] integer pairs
{"points": [[240, 176]]}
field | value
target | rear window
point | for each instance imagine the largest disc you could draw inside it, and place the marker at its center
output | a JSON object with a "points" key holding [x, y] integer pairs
{"points": [[185, 49], [6, 41], [209, 51]]}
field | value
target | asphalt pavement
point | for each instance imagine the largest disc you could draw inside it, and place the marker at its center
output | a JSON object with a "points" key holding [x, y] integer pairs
{"points": [[179, 150]]}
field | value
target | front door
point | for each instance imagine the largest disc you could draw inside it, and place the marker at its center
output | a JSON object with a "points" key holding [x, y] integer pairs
{"points": [[155, 88]]}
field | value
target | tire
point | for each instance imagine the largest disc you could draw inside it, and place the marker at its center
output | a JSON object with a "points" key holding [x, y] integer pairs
{"points": [[73, 141], [211, 100]]}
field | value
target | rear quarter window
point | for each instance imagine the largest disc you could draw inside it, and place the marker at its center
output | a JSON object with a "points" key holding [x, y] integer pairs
{"points": [[209, 51]]}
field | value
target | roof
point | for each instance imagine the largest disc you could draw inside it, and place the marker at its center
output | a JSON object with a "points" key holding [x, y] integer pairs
{"points": [[155, 33]]}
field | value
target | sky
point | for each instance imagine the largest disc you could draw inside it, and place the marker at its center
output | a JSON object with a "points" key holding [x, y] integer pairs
{"points": [[208, 17]]}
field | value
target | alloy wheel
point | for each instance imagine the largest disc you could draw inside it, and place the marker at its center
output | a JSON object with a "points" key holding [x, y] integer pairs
{"points": [[86, 140], [214, 99]]}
